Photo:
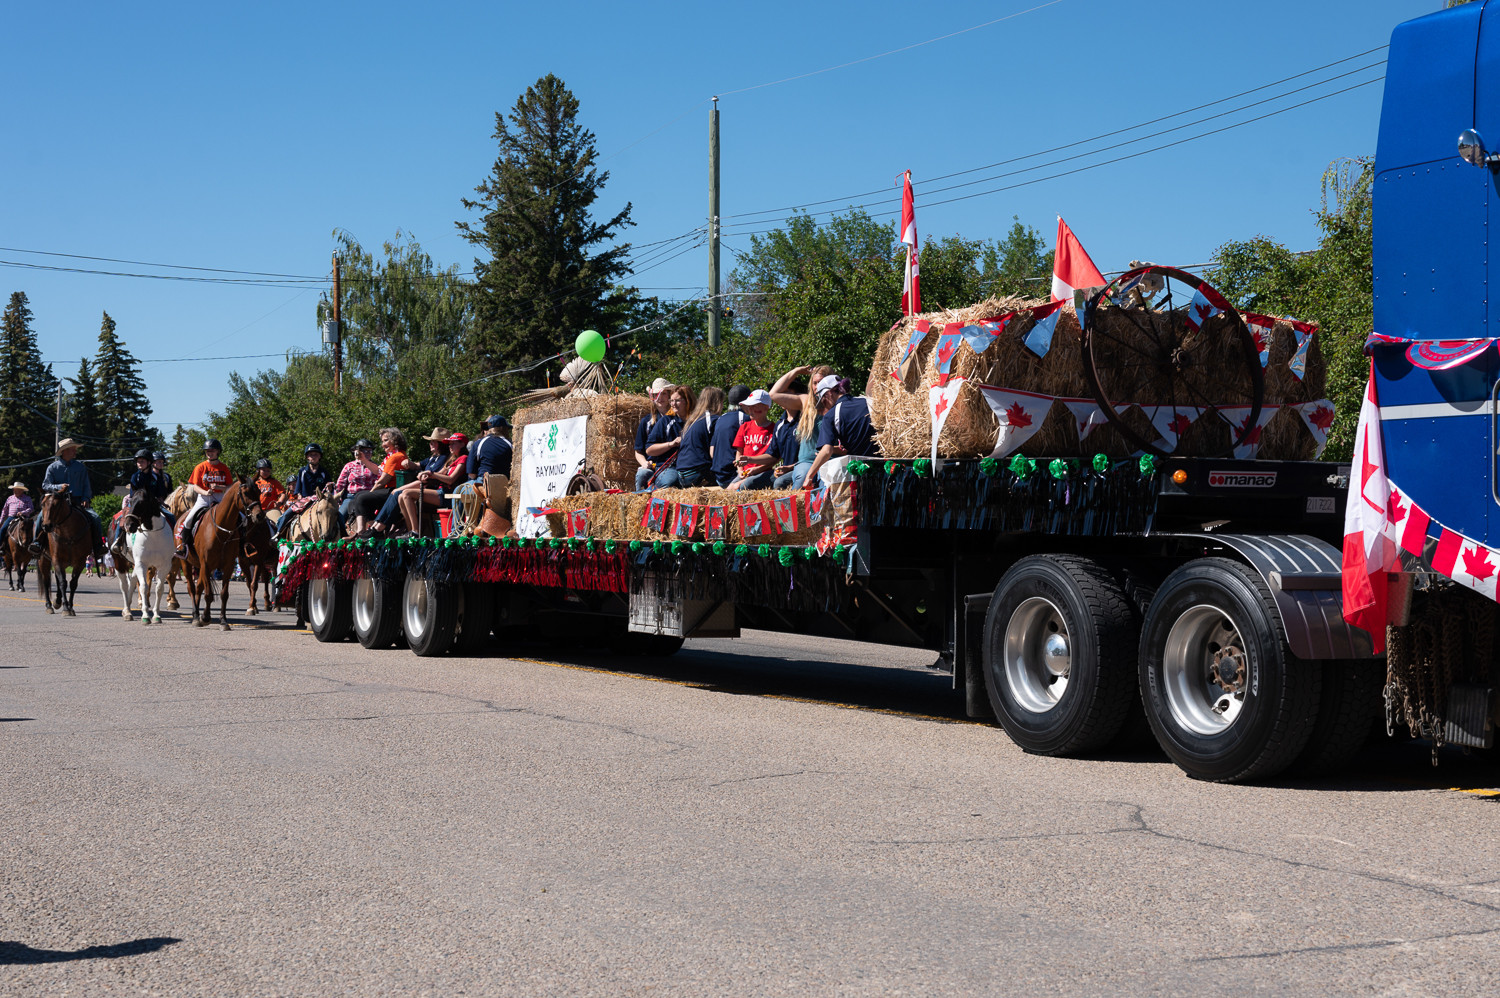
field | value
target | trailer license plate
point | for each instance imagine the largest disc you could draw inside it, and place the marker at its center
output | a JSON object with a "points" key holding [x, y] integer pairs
{"points": [[1321, 504], [1242, 479]]}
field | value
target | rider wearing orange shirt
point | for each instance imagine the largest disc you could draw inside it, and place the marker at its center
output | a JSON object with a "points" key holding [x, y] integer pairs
{"points": [[209, 481], [272, 492]]}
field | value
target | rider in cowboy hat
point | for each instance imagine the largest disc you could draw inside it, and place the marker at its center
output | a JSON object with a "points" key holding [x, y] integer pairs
{"points": [[17, 505], [68, 471]]}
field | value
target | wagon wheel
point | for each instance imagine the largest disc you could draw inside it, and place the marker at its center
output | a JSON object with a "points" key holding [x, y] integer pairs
{"points": [[584, 480], [1146, 341]]}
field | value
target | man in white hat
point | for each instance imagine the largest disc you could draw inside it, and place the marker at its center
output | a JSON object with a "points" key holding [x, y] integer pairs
{"points": [[68, 471], [17, 504]]}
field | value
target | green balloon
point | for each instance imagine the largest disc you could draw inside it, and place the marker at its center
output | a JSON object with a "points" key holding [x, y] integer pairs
{"points": [[590, 346]]}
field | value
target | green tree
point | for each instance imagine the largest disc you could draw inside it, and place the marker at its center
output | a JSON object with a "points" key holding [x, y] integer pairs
{"points": [[124, 410], [1019, 264], [1332, 285], [545, 276], [28, 395], [398, 306]]}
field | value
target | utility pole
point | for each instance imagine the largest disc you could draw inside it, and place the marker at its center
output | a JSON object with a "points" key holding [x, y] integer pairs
{"points": [[338, 333], [57, 427], [715, 305]]}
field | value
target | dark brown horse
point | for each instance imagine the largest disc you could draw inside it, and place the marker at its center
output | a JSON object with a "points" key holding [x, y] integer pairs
{"points": [[70, 541], [16, 547], [258, 557], [217, 538]]}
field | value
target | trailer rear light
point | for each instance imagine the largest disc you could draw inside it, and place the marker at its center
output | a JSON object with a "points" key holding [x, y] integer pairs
{"points": [[1179, 477]]}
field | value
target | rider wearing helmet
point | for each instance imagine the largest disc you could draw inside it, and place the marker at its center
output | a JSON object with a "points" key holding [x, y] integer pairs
{"points": [[310, 477], [272, 494], [159, 465], [147, 479], [68, 472], [209, 481]]}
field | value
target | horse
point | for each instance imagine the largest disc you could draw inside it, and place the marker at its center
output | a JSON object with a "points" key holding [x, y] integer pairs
{"points": [[16, 547], [258, 557], [178, 504], [215, 545], [70, 539], [145, 557], [319, 521]]}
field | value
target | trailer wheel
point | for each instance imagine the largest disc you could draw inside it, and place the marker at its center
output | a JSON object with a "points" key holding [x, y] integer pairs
{"points": [[1225, 698], [476, 617], [1349, 707], [1057, 644], [330, 613], [429, 615], [377, 612]]}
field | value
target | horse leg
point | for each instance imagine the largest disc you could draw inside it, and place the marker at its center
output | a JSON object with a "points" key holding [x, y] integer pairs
{"points": [[73, 591], [250, 581], [127, 593], [172, 603], [157, 585], [224, 596]]}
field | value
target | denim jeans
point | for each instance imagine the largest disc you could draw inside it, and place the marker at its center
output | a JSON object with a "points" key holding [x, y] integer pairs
{"points": [[793, 479], [642, 476], [759, 480]]}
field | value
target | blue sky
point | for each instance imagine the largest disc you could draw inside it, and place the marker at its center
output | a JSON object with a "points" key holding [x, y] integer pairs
{"points": [[241, 136]]}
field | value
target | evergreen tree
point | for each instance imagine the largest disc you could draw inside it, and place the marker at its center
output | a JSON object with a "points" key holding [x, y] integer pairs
{"points": [[123, 408], [28, 395], [546, 278], [83, 421]]}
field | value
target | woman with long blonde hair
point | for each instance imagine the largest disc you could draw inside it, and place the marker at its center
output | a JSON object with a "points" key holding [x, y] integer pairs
{"points": [[796, 439]]}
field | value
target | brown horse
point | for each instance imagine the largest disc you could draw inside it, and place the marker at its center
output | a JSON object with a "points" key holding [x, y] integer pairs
{"points": [[216, 541], [70, 542], [16, 547], [258, 557]]}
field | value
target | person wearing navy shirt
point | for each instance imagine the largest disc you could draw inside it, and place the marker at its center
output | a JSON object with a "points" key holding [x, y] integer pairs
{"points": [[845, 431], [784, 447], [721, 442], [311, 477], [694, 466], [492, 452], [144, 479], [660, 394]]}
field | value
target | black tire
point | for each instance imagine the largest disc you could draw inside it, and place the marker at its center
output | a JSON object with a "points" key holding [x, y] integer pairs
{"points": [[330, 609], [1253, 731], [1043, 600], [476, 618], [377, 612], [429, 615], [1350, 707]]}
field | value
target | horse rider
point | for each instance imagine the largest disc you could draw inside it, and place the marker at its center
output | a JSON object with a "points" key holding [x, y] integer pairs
{"points": [[17, 505], [310, 477], [159, 465], [147, 479], [67, 470], [272, 493], [209, 481]]}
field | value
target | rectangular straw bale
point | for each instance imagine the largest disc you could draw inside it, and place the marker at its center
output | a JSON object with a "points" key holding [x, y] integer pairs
{"points": [[619, 515], [609, 444], [1287, 438]]}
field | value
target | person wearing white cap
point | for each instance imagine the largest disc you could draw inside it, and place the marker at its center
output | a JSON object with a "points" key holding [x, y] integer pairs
{"points": [[752, 443], [844, 431], [661, 396]]}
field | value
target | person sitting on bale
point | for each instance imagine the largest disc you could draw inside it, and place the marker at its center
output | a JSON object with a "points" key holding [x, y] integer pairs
{"points": [[694, 465], [358, 475], [371, 500], [661, 397], [431, 486], [490, 454], [752, 442], [208, 482], [663, 441], [721, 441], [845, 431], [437, 449], [794, 442]]}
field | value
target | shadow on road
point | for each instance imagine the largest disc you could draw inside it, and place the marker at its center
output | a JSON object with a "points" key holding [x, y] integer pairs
{"points": [[14, 953]]}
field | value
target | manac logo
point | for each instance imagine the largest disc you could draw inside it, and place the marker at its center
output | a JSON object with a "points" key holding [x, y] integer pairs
{"points": [[552, 437]]}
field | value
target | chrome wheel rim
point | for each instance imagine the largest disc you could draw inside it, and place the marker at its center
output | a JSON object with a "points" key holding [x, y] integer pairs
{"points": [[416, 607], [364, 605], [1037, 652], [1205, 671], [319, 601]]}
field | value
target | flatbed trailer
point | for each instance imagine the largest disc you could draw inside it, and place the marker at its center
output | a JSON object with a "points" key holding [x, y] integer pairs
{"points": [[1065, 598]]}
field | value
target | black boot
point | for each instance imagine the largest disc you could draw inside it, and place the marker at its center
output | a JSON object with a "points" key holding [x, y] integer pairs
{"points": [[35, 547]]}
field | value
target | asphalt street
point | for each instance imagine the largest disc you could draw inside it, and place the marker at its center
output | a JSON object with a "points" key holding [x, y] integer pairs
{"points": [[194, 812]]}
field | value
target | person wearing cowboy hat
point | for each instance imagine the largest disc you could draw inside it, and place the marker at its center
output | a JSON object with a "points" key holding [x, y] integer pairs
{"points": [[68, 472], [437, 443], [209, 481], [17, 505]]}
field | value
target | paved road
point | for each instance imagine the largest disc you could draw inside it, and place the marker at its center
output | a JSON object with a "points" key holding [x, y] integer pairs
{"points": [[194, 812]]}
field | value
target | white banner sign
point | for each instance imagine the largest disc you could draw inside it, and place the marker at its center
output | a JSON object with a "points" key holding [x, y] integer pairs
{"points": [[550, 454]]}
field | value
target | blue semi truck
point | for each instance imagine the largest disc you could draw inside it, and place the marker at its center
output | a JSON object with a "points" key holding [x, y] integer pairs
{"points": [[1196, 600]]}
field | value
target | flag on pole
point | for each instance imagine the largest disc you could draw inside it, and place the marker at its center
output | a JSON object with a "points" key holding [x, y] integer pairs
{"points": [[911, 287], [1072, 269], [1368, 551]]}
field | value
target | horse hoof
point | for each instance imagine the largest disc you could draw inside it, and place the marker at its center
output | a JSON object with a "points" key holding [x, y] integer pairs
{"points": [[69, 612], [226, 627], [50, 610]]}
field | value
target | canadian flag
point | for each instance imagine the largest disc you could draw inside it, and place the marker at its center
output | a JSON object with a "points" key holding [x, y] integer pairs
{"points": [[1072, 270], [1020, 414], [1171, 422], [1368, 550], [1465, 561], [1318, 417], [1405, 523], [911, 286], [940, 401], [1238, 417]]}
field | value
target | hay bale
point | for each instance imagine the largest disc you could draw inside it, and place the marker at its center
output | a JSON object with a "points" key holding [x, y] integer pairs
{"points": [[619, 515], [609, 444]]}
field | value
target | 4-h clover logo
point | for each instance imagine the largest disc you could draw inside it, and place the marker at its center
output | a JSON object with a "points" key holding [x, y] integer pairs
{"points": [[552, 437]]}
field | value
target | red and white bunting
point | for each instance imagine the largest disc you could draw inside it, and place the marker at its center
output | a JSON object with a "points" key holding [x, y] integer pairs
{"points": [[1318, 418], [1171, 422], [940, 402], [1405, 523], [1238, 417], [1086, 415], [1021, 414], [1468, 562]]}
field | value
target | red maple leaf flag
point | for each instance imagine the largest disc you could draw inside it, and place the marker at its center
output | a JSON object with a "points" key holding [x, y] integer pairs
{"points": [[911, 284], [1180, 423], [1406, 524], [1017, 416], [1238, 416], [1071, 268], [1368, 550], [1318, 418], [940, 400], [1477, 562], [1171, 422], [1321, 417], [1397, 511], [1465, 561]]}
